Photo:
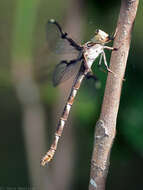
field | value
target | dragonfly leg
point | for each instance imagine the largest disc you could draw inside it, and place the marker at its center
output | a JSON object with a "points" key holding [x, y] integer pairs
{"points": [[90, 75], [112, 37], [106, 65], [109, 70], [100, 60], [111, 48], [64, 35], [97, 83]]}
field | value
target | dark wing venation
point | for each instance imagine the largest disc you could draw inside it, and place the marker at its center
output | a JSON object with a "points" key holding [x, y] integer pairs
{"points": [[63, 72], [56, 44]]}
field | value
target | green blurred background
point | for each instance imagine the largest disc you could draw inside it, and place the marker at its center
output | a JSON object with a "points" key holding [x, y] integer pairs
{"points": [[30, 106]]}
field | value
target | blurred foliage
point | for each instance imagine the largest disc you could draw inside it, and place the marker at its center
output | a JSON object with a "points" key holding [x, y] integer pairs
{"points": [[127, 153]]}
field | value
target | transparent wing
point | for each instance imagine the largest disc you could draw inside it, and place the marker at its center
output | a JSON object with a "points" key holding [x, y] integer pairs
{"points": [[64, 72], [54, 50], [55, 43], [45, 67]]}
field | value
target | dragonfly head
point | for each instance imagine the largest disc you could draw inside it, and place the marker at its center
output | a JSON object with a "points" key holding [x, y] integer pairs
{"points": [[101, 37]]}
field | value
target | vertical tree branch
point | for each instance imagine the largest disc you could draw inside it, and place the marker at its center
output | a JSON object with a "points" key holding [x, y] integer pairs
{"points": [[106, 125]]}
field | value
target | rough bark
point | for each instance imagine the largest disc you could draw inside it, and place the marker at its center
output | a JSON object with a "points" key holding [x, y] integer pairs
{"points": [[106, 125]]}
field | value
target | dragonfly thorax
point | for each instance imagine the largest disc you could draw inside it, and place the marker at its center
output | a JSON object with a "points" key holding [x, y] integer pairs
{"points": [[91, 53]]}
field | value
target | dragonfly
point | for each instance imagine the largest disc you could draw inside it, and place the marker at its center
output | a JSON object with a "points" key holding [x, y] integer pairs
{"points": [[87, 54]]}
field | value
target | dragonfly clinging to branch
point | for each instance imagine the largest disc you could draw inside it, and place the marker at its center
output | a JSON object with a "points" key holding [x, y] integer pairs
{"points": [[87, 53]]}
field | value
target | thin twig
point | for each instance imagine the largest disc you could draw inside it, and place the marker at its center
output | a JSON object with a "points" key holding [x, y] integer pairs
{"points": [[106, 125]]}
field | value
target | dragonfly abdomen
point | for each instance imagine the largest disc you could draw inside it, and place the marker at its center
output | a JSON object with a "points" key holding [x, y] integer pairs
{"points": [[49, 155]]}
